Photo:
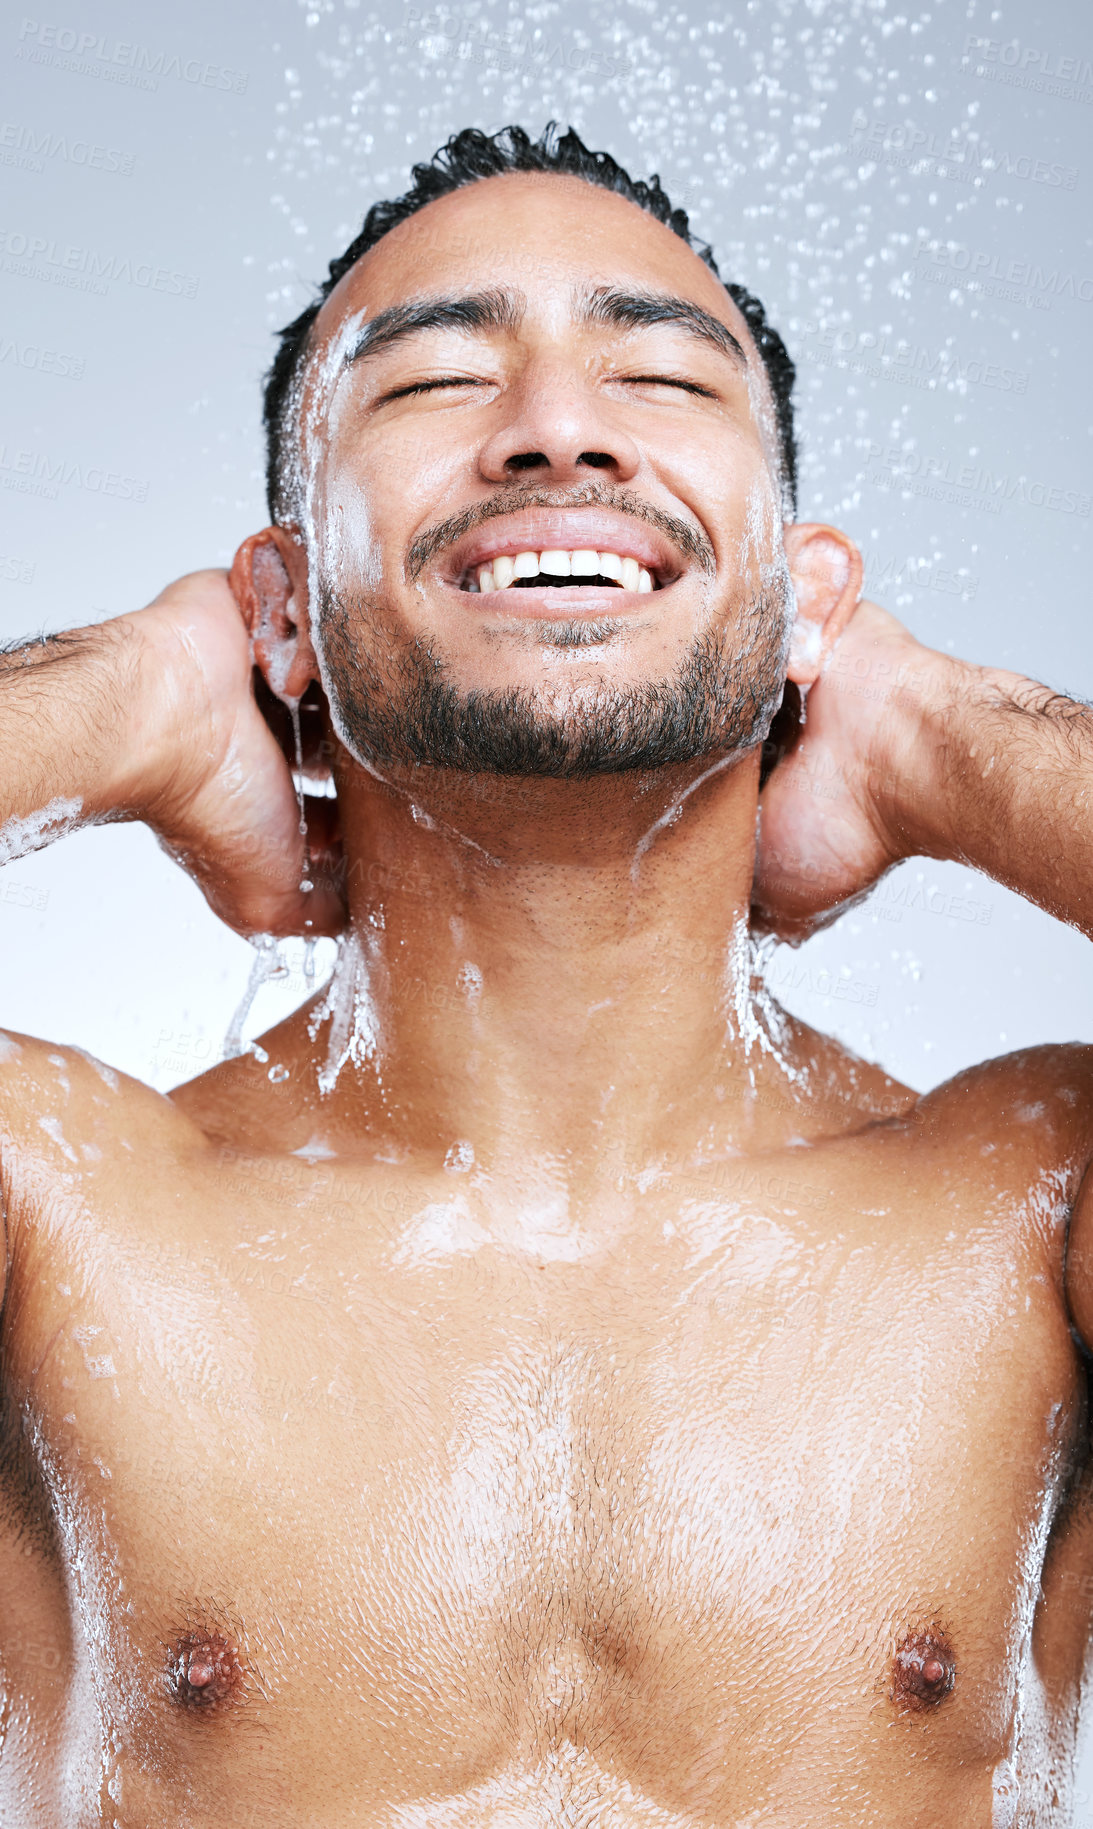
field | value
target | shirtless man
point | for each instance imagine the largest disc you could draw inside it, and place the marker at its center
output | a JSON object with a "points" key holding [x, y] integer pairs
{"points": [[543, 1384]]}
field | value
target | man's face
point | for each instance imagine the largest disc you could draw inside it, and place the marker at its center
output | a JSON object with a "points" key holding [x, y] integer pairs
{"points": [[540, 501]]}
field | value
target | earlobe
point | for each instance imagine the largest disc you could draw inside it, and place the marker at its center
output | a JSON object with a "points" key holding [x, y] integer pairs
{"points": [[269, 581], [826, 568]]}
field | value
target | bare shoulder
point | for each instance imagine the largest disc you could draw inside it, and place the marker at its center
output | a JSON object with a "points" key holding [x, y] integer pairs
{"points": [[63, 1114], [1038, 1098], [1012, 1135], [1012, 1140], [40, 1078]]}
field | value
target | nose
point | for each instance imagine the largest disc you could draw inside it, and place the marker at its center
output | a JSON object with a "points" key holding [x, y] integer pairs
{"points": [[558, 430]]}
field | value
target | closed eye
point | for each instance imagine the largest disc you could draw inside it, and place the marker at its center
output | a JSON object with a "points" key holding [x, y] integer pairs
{"points": [[689, 387], [428, 387]]}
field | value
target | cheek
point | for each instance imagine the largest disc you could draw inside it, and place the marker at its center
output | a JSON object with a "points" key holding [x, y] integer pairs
{"points": [[720, 472], [433, 468], [745, 523], [349, 521], [759, 542], [346, 516], [765, 421], [382, 489]]}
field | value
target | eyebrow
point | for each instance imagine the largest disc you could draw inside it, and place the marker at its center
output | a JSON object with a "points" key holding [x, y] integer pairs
{"points": [[501, 309], [476, 311], [634, 310]]}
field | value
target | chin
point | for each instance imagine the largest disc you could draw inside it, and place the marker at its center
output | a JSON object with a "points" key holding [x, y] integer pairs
{"points": [[559, 695]]}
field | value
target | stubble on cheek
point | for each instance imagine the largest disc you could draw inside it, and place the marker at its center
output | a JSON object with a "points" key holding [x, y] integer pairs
{"points": [[334, 507]]}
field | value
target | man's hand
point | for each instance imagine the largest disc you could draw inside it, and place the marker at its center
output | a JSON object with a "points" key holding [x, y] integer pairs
{"points": [[153, 717], [906, 752], [221, 796], [833, 814]]}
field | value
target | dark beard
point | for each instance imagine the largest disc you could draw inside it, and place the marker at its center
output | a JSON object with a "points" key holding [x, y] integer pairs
{"points": [[716, 704]]}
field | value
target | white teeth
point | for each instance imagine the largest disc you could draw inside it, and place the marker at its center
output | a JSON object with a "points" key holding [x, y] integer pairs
{"points": [[583, 563]]}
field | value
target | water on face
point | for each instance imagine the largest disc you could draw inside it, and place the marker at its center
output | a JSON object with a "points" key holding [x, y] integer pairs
{"points": [[763, 124], [830, 155], [814, 146]]}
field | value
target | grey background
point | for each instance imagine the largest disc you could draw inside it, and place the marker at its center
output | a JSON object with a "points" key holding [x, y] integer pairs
{"points": [[174, 182]]}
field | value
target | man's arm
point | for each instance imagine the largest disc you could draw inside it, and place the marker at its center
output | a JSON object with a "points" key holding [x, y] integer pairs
{"points": [[999, 775], [1079, 1260], [152, 717], [74, 738], [907, 752]]}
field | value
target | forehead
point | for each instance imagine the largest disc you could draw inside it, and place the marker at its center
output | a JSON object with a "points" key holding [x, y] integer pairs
{"points": [[547, 235]]}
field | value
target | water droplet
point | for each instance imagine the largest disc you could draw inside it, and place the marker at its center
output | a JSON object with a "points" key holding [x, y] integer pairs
{"points": [[298, 778]]}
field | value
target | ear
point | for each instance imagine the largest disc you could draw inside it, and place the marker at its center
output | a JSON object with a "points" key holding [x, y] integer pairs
{"points": [[269, 582], [826, 568]]}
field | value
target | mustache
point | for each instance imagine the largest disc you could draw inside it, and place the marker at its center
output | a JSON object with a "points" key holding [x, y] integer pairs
{"points": [[686, 536]]}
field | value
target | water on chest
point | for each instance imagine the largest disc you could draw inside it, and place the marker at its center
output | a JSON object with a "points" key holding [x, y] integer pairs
{"points": [[588, 1518], [627, 1529]]}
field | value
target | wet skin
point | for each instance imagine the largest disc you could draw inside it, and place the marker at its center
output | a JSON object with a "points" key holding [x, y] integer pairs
{"points": [[358, 1495], [591, 1397]]}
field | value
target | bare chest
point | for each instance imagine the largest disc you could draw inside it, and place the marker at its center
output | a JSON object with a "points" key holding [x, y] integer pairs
{"points": [[470, 1502]]}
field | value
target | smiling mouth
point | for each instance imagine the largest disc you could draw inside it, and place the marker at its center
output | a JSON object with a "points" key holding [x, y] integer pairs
{"points": [[558, 568]]}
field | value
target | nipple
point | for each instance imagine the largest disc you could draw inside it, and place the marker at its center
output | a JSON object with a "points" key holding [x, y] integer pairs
{"points": [[923, 1670], [204, 1671]]}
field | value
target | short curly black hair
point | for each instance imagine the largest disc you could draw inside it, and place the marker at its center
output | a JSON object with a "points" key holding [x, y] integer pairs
{"points": [[467, 157]]}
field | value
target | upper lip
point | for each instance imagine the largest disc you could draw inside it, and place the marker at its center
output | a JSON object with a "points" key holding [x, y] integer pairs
{"points": [[566, 530]]}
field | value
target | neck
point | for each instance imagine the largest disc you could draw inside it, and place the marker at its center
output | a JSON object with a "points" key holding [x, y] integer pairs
{"points": [[532, 961]]}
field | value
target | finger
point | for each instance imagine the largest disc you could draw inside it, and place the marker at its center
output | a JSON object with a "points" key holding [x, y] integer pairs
{"points": [[304, 741], [326, 861], [277, 715], [257, 888], [767, 923], [785, 731], [313, 902], [252, 908], [315, 733]]}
